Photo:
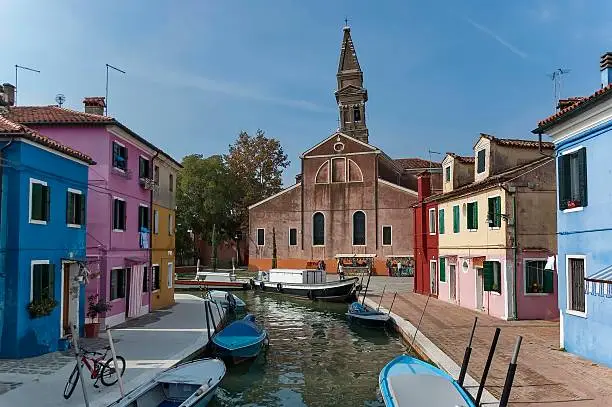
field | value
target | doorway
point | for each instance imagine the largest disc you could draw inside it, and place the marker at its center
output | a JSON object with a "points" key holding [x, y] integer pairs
{"points": [[433, 277], [479, 289], [70, 297], [452, 270]]}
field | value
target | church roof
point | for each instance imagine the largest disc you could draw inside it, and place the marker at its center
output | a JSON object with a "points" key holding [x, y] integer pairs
{"points": [[348, 56], [414, 163]]}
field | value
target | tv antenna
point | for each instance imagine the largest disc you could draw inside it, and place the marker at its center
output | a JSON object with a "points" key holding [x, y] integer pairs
{"points": [[556, 77], [60, 99], [106, 98], [430, 160], [17, 68]]}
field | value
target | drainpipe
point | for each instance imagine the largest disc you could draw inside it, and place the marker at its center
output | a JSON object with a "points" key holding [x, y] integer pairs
{"points": [[514, 250], [7, 145], [2, 271], [150, 268]]}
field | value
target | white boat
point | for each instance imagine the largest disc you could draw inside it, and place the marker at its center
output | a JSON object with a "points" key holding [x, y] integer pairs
{"points": [[227, 299], [191, 384]]}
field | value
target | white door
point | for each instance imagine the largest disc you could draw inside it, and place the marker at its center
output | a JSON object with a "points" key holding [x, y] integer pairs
{"points": [[479, 288], [452, 274], [433, 277]]}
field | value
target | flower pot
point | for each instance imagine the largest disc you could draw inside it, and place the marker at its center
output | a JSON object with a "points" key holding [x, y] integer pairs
{"points": [[92, 329]]}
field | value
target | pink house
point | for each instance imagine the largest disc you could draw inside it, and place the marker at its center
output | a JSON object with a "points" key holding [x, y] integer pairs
{"points": [[118, 204]]}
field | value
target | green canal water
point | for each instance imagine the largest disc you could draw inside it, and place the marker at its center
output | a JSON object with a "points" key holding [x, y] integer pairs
{"points": [[315, 358]]}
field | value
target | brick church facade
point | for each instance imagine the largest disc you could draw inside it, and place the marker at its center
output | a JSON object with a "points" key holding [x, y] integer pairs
{"points": [[350, 197]]}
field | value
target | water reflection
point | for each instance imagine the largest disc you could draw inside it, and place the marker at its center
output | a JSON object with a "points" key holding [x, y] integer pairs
{"points": [[315, 358]]}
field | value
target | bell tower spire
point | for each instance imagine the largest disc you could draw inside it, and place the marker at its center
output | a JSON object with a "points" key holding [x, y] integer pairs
{"points": [[351, 96]]}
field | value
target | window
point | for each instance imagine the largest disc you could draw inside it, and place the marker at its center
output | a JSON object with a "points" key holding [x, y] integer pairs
{"points": [[143, 218], [119, 156], [144, 166], [441, 221], [292, 237], [447, 174], [118, 214], [480, 161], [155, 221], [261, 237], [318, 229], [387, 235], [145, 280], [432, 221], [171, 182], [359, 228], [575, 284], [354, 172], [156, 174], [494, 214], [117, 283], [356, 114], [75, 208], [538, 280], [170, 278], [573, 180], [472, 215], [442, 269], [322, 176], [43, 280], [338, 170], [492, 276], [155, 277], [170, 224], [456, 219], [40, 204]]}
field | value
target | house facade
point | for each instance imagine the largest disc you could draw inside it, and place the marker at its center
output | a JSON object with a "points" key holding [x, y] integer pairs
{"points": [[581, 133], [497, 230], [163, 247], [426, 238], [42, 239], [119, 201]]}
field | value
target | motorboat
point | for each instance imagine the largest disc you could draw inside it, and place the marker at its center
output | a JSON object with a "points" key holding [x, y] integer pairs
{"points": [[306, 283], [191, 384], [242, 339], [363, 314], [227, 300], [216, 279]]}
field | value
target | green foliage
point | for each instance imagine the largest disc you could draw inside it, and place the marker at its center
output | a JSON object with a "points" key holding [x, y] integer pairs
{"points": [[41, 308], [97, 306]]}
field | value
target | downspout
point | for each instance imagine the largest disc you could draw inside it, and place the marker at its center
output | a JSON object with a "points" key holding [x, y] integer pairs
{"points": [[2, 265], [514, 250], [4, 147], [150, 268]]}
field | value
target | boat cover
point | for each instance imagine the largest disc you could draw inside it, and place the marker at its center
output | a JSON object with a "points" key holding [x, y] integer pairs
{"points": [[197, 372], [240, 334]]}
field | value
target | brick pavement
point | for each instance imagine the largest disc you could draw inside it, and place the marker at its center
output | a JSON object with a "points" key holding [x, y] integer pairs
{"points": [[545, 374]]}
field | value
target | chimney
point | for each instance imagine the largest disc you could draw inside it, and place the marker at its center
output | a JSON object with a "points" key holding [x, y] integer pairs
{"points": [[94, 105], [298, 178], [605, 65], [424, 185], [9, 94]]}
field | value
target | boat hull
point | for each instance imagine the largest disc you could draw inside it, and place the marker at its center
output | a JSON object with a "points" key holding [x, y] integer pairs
{"points": [[369, 320], [221, 285], [339, 291]]}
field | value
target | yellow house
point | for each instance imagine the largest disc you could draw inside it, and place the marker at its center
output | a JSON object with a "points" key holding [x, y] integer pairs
{"points": [[163, 246]]}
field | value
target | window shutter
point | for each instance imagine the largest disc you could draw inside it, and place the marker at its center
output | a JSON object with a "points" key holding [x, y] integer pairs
{"points": [[442, 269], [441, 221], [47, 202], [469, 216], [488, 277], [475, 216], [69, 208], [83, 209], [456, 219], [498, 211], [491, 212], [564, 181], [582, 171], [548, 281]]}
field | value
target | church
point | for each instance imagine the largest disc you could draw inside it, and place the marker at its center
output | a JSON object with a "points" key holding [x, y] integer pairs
{"points": [[350, 197]]}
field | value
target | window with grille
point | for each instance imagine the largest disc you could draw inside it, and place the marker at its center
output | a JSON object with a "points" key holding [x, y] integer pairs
{"points": [[575, 281]]}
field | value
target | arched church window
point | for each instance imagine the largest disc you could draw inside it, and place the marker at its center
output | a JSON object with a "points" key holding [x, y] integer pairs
{"points": [[339, 169], [356, 114], [318, 229], [359, 228], [347, 116], [322, 176], [354, 172]]}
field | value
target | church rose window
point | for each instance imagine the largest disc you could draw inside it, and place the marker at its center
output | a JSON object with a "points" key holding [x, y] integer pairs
{"points": [[318, 229], [359, 229]]}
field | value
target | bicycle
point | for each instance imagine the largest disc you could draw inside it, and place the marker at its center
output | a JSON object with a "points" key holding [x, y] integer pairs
{"points": [[100, 368]]}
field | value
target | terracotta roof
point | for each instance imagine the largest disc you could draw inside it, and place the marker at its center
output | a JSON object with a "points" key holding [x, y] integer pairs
{"points": [[509, 142], [54, 115], [567, 102], [463, 158], [94, 101], [413, 163], [563, 113], [10, 128]]}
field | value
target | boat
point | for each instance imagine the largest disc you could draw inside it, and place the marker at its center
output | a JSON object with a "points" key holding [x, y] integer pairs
{"points": [[220, 280], [191, 384], [407, 381], [240, 340], [365, 315], [306, 283], [227, 300]]}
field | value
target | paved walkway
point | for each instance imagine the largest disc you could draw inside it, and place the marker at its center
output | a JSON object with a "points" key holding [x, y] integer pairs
{"points": [[545, 375], [149, 344]]}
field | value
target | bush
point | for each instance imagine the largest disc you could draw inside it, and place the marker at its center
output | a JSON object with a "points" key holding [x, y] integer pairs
{"points": [[41, 308], [97, 306]]}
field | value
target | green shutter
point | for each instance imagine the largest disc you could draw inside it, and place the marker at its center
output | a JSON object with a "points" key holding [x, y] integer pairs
{"points": [[563, 181], [51, 271], [475, 215], [441, 221], [582, 174], [498, 212], [488, 277], [456, 219], [442, 269], [549, 281], [491, 212], [69, 208], [468, 218]]}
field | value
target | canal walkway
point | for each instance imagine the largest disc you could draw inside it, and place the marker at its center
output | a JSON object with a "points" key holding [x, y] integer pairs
{"points": [[545, 374], [149, 344]]}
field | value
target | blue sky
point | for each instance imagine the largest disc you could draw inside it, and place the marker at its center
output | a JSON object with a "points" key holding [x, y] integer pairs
{"points": [[198, 72]]}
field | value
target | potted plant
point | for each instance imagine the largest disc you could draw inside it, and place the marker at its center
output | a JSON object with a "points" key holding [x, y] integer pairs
{"points": [[42, 307], [96, 306]]}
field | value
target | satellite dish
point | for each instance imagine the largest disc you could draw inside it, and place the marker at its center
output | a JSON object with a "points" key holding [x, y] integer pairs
{"points": [[60, 99]]}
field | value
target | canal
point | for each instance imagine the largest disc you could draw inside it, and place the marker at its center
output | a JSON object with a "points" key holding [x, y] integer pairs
{"points": [[314, 359]]}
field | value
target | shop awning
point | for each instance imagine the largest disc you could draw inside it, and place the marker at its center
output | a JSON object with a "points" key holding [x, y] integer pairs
{"points": [[602, 276], [402, 256]]}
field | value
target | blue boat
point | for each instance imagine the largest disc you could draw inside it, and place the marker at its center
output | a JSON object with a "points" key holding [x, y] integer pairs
{"points": [[407, 382], [365, 315], [240, 340]]}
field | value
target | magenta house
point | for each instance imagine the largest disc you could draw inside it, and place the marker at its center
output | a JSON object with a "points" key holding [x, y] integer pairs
{"points": [[118, 201]]}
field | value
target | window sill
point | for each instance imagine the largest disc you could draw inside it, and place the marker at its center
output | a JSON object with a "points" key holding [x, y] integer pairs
{"points": [[388, 245], [73, 225], [494, 293], [119, 230], [431, 234], [576, 313], [359, 245], [118, 169], [292, 245], [577, 209], [155, 291], [472, 230], [318, 245], [537, 294], [118, 299], [38, 222], [494, 227]]}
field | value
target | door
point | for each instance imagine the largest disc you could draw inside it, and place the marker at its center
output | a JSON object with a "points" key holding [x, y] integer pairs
{"points": [[453, 281], [127, 279], [134, 299], [479, 288], [66, 295], [433, 277]]}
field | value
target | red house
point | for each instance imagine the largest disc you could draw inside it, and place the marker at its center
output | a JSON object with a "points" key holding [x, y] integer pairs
{"points": [[425, 237]]}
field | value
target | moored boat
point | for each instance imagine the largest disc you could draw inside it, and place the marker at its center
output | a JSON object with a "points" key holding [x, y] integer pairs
{"points": [[242, 339], [365, 315], [191, 384], [216, 279], [227, 300]]}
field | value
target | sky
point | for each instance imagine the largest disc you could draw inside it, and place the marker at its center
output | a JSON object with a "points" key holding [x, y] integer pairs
{"points": [[438, 73]]}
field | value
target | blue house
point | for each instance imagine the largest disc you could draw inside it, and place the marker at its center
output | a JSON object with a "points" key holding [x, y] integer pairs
{"points": [[43, 188], [581, 130]]}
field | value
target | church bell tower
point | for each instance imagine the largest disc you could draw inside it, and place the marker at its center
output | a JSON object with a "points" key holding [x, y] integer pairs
{"points": [[351, 96]]}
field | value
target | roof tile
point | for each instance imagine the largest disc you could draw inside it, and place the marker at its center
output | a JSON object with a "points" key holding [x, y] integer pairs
{"points": [[54, 115], [413, 163], [519, 143]]}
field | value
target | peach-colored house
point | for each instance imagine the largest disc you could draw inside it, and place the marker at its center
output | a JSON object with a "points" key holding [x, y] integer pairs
{"points": [[499, 229]]}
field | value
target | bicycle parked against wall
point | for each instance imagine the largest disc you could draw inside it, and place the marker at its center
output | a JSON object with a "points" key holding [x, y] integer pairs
{"points": [[101, 367]]}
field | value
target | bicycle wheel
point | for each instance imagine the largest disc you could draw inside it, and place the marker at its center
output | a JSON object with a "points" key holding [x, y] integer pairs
{"points": [[72, 382], [108, 375]]}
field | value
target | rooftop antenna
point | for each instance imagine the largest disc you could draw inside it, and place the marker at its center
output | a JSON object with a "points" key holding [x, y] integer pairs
{"points": [[346, 21], [430, 161], [17, 68], [556, 78], [106, 98], [60, 99]]}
